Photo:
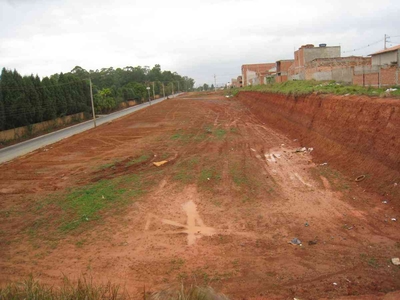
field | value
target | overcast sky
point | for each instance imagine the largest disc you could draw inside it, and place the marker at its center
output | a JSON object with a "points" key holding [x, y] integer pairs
{"points": [[194, 38]]}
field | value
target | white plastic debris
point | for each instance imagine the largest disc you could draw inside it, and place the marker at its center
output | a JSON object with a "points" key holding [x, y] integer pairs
{"points": [[390, 90], [394, 219], [396, 261], [335, 283], [384, 202], [323, 164], [295, 241]]}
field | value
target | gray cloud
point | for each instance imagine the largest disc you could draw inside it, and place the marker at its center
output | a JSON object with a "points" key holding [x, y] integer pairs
{"points": [[197, 39]]}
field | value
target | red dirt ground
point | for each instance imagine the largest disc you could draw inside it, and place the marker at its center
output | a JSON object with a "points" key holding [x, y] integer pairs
{"points": [[221, 211]]}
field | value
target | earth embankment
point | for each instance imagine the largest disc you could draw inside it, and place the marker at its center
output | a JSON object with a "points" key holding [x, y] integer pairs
{"points": [[357, 134]]}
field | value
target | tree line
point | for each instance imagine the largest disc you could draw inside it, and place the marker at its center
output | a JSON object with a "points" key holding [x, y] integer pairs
{"points": [[25, 100]]}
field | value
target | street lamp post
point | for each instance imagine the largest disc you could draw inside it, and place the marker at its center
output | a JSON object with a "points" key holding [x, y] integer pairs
{"points": [[148, 90]]}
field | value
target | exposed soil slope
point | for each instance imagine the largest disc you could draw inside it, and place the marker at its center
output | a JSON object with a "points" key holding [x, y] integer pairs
{"points": [[360, 135]]}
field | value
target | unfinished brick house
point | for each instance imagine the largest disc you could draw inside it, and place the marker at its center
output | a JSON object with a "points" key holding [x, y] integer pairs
{"points": [[337, 68], [282, 67], [306, 54], [256, 73]]}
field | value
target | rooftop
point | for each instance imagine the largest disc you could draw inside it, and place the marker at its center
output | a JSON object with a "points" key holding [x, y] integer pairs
{"points": [[395, 48]]}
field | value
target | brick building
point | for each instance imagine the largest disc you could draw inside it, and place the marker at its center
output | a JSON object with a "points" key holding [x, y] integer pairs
{"points": [[337, 68], [256, 73], [307, 53], [387, 57], [384, 69], [282, 67]]}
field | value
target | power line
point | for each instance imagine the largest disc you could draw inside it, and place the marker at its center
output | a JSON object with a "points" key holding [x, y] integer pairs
{"points": [[369, 45]]}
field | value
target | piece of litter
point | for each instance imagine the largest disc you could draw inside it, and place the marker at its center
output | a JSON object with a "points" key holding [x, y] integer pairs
{"points": [[160, 163], [323, 164], [304, 149], [102, 197], [252, 149], [390, 90], [334, 283], [306, 224], [282, 145], [384, 202], [276, 155], [310, 149], [295, 241], [208, 178], [310, 243], [394, 219], [396, 261], [360, 178]]}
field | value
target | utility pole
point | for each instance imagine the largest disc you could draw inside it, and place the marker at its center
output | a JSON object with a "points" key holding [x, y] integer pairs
{"points": [[154, 95], [91, 99], [384, 46], [172, 88], [215, 83], [163, 90]]}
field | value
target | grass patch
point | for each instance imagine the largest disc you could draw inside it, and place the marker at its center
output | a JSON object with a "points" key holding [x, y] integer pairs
{"points": [[82, 289], [138, 160], [185, 170], [208, 174], [84, 204], [80, 208], [305, 87], [220, 133]]}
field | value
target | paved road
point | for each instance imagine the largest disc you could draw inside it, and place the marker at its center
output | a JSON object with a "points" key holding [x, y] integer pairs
{"points": [[14, 151]]}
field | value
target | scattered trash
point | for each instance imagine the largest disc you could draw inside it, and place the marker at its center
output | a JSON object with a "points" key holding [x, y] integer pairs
{"points": [[384, 201], [335, 283], [310, 149], [227, 96], [102, 197], [324, 164], [311, 243], [45, 150], [390, 90], [348, 227], [304, 149], [396, 261], [295, 241], [208, 178], [295, 140], [160, 163], [360, 178], [306, 224], [395, 184], [394, 219], [252, 149], [276, 155]]}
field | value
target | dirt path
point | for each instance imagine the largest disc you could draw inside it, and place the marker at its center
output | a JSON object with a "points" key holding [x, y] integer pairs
{"points": [[221, 212]]}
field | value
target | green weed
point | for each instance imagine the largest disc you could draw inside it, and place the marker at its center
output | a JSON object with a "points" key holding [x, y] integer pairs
{"points": [[138, 160], [305, 87]]}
